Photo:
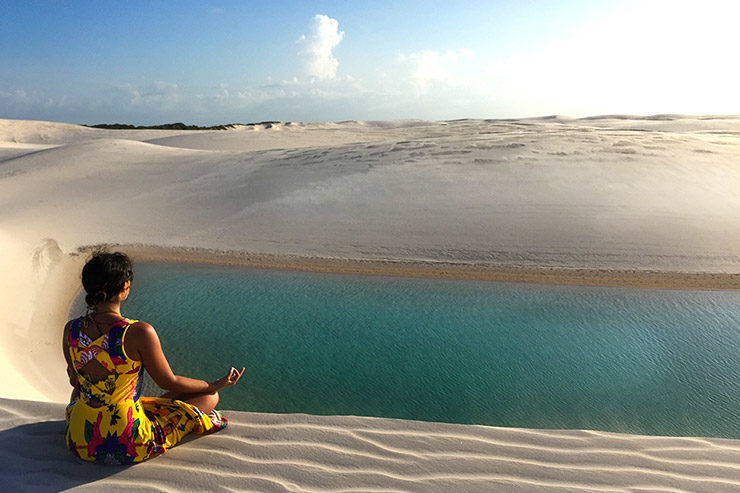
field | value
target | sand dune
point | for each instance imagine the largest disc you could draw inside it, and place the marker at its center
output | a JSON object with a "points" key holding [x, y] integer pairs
{"points": [[295, 452], [611, 199], [629, 194]]}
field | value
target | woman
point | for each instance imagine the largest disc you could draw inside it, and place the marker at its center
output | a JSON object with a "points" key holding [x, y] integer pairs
{"points": [[106, 353]]}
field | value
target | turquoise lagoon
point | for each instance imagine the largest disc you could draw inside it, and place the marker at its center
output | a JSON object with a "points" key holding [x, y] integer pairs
{"points": [[646, 361]]}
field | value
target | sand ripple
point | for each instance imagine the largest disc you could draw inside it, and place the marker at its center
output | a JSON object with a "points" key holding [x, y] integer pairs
{"points": [[295, 452]]}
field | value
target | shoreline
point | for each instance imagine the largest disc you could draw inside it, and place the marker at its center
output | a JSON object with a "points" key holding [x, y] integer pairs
{"points": [[433, 269]]}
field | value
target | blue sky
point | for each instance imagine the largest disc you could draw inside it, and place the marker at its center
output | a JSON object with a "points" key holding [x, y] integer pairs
{"points": [[209, 62]]}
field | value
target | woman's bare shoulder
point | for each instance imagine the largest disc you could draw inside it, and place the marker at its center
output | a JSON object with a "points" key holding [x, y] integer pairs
{"points": [[139, 329], [139, 336], [138, 324]]}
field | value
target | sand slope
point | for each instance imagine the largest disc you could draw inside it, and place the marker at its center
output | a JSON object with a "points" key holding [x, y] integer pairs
{"points": [[294, 452], [618, 192]]}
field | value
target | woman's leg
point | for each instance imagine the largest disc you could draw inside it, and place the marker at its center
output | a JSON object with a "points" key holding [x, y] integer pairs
{"points": [[205, 401]]}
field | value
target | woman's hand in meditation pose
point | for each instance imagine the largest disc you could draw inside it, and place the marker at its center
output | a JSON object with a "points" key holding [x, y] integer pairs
{"points": [[230, 379]]}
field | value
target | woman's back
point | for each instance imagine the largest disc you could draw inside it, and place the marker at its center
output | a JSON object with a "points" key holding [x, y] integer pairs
{"points": [[105, 374], [109, 421]]}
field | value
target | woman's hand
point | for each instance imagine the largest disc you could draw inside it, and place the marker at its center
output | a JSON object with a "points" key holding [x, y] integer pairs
{"points": [[230, 379]]}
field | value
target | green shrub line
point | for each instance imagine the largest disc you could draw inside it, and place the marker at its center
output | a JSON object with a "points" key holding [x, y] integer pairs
{"points": [[171, 126]]}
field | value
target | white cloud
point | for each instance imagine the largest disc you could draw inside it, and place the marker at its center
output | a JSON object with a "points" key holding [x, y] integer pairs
{"points": [[318, 45], [157, 93], [297, 90], [22, 97], [222, 94], [426, 66]]}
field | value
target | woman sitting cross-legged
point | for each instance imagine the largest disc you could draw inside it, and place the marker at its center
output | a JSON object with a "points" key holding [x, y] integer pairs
{"points": [[107, 419]]}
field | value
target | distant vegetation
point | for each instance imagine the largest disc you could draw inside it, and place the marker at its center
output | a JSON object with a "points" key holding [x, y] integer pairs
{"points": [[170, 126]]}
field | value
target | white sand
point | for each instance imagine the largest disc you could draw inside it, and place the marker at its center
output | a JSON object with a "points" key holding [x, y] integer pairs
{"points": [[295, 452], [609, 194], [620, 193]]}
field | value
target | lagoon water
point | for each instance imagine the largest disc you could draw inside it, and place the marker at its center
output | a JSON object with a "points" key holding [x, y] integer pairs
{"points": [[656, 362]]}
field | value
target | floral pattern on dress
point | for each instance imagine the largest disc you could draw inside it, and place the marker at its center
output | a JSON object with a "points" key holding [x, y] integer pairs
{"points": [[96, 429]]}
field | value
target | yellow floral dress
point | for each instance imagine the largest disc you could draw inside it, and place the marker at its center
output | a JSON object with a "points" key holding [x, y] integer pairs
{"points": [[108, 421]]}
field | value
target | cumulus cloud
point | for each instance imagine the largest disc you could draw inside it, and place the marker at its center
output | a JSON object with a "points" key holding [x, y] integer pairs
{"points": [[318, 45]]}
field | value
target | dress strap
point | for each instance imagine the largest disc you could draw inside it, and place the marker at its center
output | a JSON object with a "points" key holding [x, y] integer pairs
{"points": [[115, 338], [74, 333]]}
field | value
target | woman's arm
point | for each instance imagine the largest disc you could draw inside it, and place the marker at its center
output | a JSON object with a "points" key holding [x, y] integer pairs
{"points": [[142, 344]]}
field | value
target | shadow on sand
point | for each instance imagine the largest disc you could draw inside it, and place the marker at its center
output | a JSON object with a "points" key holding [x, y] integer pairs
{"points": [[34, 457]]}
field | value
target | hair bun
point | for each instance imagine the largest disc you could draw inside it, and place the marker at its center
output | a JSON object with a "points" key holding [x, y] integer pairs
{"points": [[104, 276], [93, 299]]}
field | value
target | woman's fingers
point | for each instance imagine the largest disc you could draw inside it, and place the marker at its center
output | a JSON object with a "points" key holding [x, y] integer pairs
{"points": [[234, 375]]}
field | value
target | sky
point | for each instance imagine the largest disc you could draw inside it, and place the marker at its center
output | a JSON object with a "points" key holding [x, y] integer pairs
{"points": [[211, 62]]}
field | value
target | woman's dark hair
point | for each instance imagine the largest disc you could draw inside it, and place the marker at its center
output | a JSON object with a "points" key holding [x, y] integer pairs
{"points": [[104, 275]]}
